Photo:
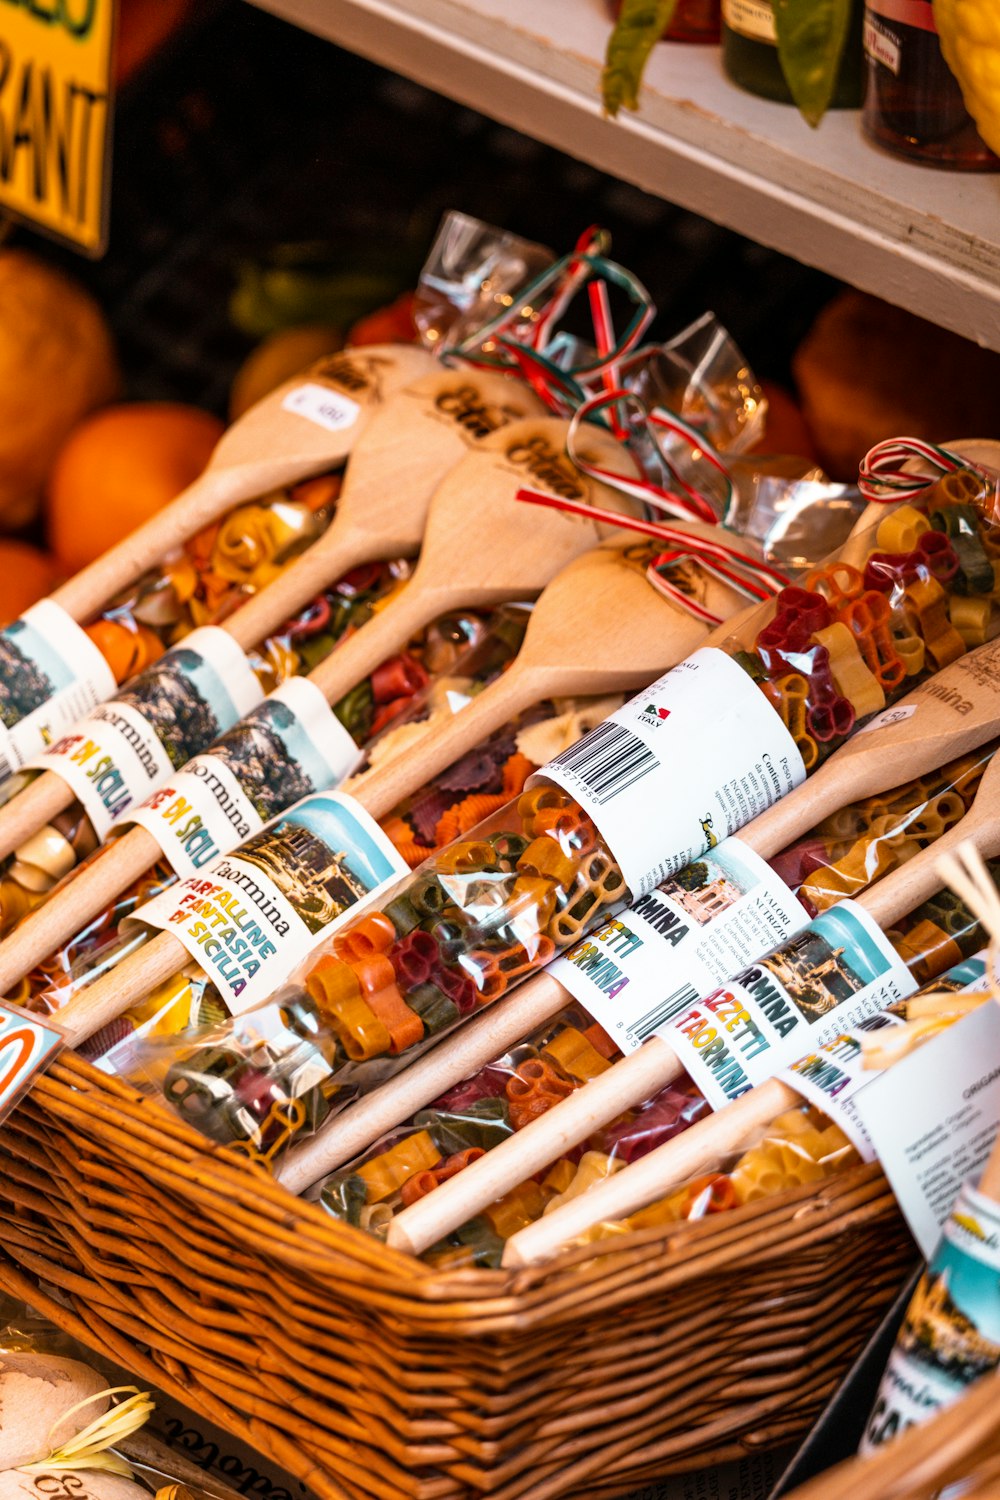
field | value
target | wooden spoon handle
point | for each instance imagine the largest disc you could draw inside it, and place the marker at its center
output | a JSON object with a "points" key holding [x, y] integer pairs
{"points": [[792, 816], [528, 1151], [385, 634], [322, 565], [917, 880], [43, 931], [470, 1048], [650, 1177], [87, 591], [103, 1000], [382, 788], [41, 800]]}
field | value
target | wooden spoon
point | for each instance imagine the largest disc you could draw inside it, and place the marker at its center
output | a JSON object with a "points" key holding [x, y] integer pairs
{"points": [[482, 546], [408, 446], [872, 762], [268, 447], [397, 507], [406, 450], [598, 627], [163, 955]]}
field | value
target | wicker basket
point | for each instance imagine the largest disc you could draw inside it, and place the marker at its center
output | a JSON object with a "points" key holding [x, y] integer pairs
{"points": [[366, 1373], [960, 1445]]}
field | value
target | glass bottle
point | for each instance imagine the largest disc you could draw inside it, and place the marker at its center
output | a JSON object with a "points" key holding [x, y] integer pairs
{"points": [[750, 53], [913, 105]]}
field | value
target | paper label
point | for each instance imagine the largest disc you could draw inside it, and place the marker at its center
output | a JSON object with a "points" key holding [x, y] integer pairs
{"points": [[682, 766], [127, 748], [950, 1336], [677, 943], [932, 1118], [835, 1073], [896, 715], [51, 674], [317, 403], [27, 1047], [882, 47], [837, 972], [288, 746], [752, 18], [251, 918]]}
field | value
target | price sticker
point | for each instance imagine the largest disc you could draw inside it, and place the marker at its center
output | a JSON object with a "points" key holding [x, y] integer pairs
{"points": [[27, 1047]]}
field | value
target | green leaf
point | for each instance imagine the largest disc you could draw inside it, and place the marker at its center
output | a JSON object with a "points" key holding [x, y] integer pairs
{"points": [[811, 39], [639, 27]]}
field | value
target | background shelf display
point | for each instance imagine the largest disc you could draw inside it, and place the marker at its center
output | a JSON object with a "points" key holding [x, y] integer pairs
{"points": [[927, 240]]}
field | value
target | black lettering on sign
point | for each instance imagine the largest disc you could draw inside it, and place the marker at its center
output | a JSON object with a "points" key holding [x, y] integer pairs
{"points": [[45, 133], [74, 16]]}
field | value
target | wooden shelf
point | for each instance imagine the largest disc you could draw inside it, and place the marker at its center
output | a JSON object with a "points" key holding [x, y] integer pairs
{"points": [[925, 239]]}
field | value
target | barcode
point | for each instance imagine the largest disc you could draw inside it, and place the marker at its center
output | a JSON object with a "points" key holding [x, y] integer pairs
{"points": [[667, 1010], [608, 760]]}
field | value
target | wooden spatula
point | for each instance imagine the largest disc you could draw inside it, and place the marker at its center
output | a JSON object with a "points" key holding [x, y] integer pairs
{"points": [[870, 763], [481, 546], [397, 515], [279, 441]]}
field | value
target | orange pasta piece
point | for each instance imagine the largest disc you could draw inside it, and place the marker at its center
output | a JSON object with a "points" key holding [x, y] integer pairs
{"points": [[515, 773]]}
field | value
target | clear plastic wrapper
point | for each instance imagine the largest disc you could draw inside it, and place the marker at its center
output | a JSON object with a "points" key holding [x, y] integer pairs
{"points": [[701, 376], [867, 840], [472, 273], [500, 902], [441, 669], [214, 572], [571, 1047]]}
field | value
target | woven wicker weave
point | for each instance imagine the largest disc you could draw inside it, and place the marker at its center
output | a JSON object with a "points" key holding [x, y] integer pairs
{"points": [[960, 1446], [366, 1373]]}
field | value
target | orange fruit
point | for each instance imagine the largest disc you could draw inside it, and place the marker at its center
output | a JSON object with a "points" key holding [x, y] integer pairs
{"points": [[277, 359], [26, 575], [119, 468], [57, 363]]}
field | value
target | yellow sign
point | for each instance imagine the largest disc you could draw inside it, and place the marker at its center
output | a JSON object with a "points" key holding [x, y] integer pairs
{"points": [[55, 116]]}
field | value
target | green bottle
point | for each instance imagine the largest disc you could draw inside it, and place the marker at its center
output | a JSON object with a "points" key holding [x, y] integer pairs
{"points": [[750, 53]]}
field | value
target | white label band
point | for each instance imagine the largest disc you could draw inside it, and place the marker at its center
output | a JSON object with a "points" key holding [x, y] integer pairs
{"points": [[836, 1073], [751, 18], [682, 766], [677, 943], [837, 972], [290, 745], [51, 674], [124, 750], [257, 913]]}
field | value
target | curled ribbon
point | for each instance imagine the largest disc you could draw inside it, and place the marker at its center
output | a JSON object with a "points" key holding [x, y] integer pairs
{"points": [[883, 478], [749, 575]]}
